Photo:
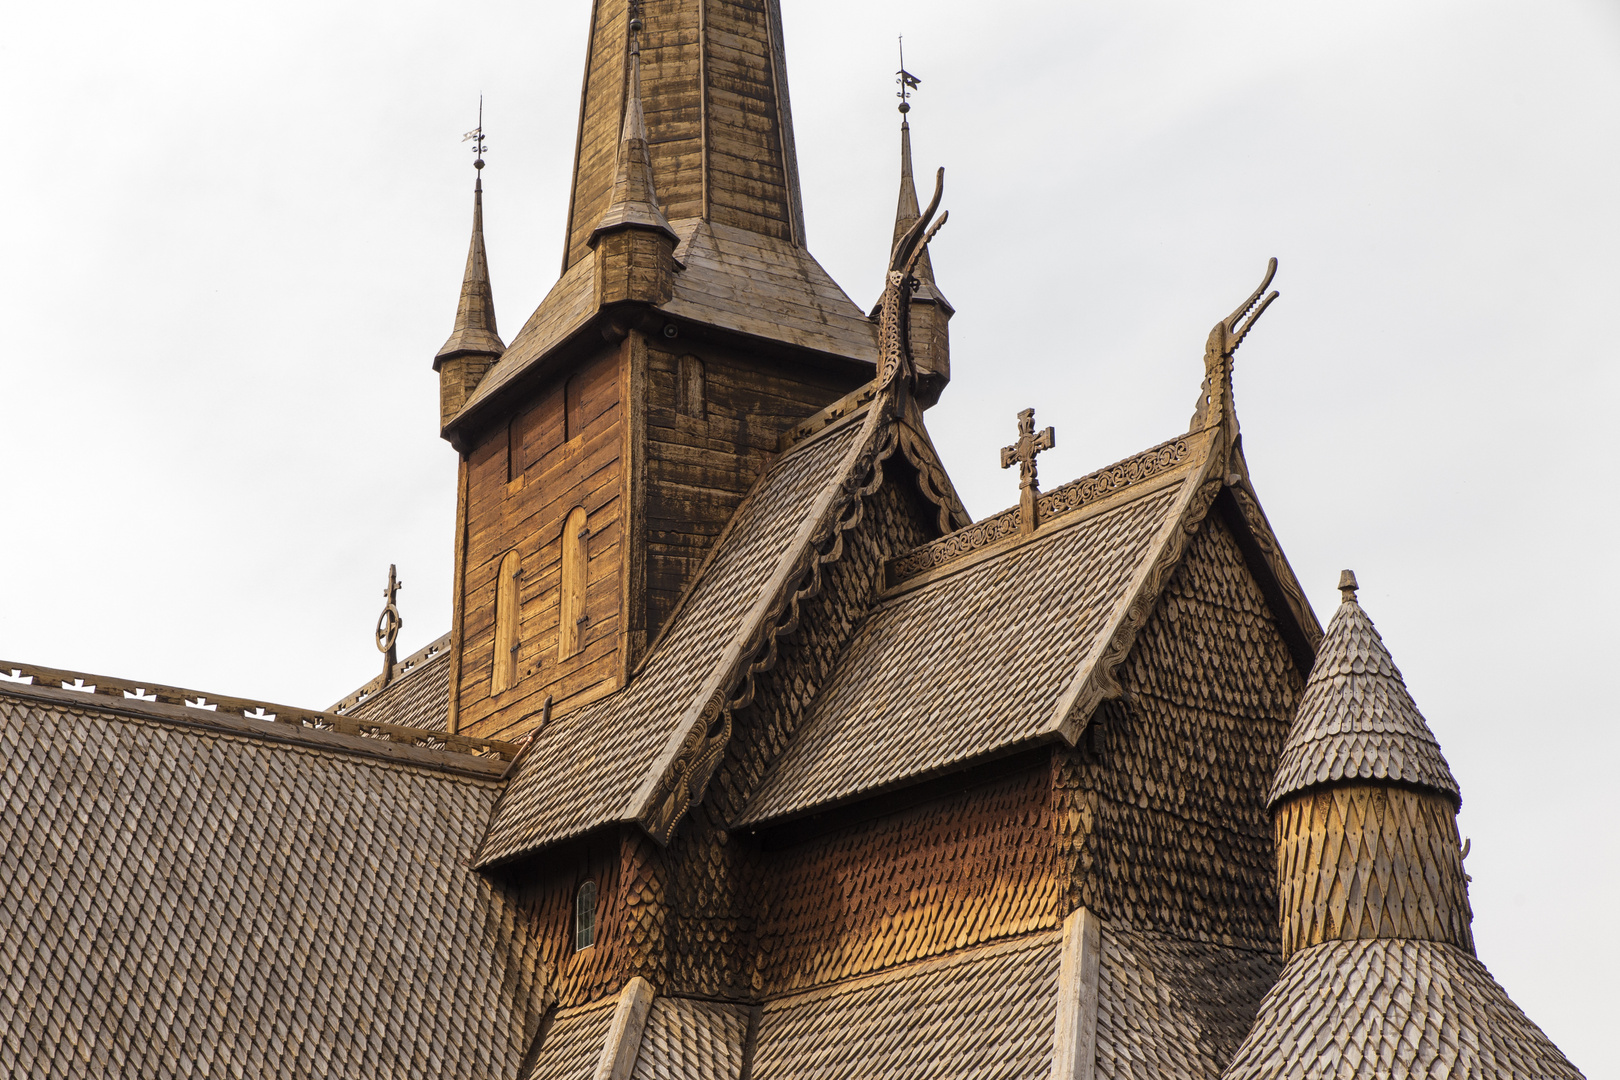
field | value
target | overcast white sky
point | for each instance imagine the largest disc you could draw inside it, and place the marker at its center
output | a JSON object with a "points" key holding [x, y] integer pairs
{"points": [[231, 238]]}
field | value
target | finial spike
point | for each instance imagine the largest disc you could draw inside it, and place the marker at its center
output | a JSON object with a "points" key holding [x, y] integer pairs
{"points": [[1348, 586]]}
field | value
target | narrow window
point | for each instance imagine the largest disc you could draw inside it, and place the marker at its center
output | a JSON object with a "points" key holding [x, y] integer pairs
{"points": [[573, 407], [690, 399], [571, 628], [585, 917], [514, 449], [506, 623]]}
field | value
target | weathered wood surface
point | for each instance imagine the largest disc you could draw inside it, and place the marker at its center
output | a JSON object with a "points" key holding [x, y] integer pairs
{"points": [[714, 420], [1370, 861], [1074, 1035], [565, 457]]}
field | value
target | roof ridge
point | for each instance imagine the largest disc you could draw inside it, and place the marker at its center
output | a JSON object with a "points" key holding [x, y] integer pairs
{"points": [[388, 743], [1061, 501], [106, 691]]}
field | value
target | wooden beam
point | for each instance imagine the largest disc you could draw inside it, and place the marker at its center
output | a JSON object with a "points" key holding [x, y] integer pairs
{"points": [[1074, 1038], [624, 1031]]}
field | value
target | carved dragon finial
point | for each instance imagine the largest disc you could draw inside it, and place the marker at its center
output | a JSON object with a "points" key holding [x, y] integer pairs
{"points": [[894, 320], [1215, 396]]}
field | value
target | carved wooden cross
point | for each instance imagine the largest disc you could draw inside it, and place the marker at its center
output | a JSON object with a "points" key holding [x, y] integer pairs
{"points": [[1024, 452], [389, 624]]}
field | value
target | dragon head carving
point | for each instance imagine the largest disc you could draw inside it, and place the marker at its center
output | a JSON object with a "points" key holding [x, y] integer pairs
{"points": [[1215, 395], [894, 320]]}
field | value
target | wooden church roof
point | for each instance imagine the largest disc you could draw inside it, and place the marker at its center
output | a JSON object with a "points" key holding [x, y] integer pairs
{"points": [[191, 893]]}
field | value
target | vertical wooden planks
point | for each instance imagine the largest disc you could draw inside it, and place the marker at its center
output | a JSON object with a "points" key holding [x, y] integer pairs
{"points": [[504, 670], [576, 535]]}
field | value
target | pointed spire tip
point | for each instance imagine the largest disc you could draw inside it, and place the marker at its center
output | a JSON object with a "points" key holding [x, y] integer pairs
{"points": [[1348, 586]]}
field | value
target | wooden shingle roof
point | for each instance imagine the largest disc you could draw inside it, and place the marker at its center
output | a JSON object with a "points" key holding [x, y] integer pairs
{"points": [[601, 763], [1390, 1007], [980, 1014], [1356, 720], [192, 894], [982, 660]]}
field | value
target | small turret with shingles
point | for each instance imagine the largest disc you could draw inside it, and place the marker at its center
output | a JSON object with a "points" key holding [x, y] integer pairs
{"points": [[1356, 720], [634, 242], [930, 311], [1381, 979], [474, 345]]}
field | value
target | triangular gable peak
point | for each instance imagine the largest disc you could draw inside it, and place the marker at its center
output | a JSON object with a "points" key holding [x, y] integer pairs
{"points": [[1038, 661]]}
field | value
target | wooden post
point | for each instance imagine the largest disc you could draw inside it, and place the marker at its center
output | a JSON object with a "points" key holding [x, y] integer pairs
{"points": [[1074, 1038], [624, 1031]]}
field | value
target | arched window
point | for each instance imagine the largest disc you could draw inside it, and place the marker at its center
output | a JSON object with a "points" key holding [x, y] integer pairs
{"points": [[585, 916], [690, 391], [572, 620], [506, 623]]}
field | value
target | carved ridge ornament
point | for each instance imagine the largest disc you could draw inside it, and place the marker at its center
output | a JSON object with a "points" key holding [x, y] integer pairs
{"points": [[1055, 503], [1102, 685], [1260, 530], [694, 763]]}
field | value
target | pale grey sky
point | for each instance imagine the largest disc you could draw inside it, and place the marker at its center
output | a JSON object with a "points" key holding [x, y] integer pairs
{"points": [[231, 238]]}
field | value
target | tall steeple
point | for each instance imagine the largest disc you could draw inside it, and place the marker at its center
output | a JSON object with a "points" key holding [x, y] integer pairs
{"points": [[474, 345], [715, 84]]}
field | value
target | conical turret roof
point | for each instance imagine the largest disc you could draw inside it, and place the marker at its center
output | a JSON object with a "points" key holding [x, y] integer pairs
{"points": [[906, 213], [634, 202], [1356, 720], [475, 313]]}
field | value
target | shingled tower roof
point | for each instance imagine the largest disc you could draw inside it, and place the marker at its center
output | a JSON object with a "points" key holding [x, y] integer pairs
{"points": [[634, 202], [905, 216], [475, 314], [1356, 720]]}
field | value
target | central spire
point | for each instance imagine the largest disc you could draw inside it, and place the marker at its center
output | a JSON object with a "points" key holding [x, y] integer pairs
{"points": [[719, 130]]}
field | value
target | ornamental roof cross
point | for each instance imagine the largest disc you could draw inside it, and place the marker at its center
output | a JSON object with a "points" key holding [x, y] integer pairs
{"points": [[389, 624], [1024, 452]]}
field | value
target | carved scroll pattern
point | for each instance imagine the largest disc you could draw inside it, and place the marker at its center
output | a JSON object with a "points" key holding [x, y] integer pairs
{"points": [[701, 750], [694, 763], [932, 481], [1062, 500], [1260, 529]]}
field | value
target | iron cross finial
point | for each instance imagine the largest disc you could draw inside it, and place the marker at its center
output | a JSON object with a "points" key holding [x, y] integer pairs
{"points": [[389, 624], [476, 137], [905, 80], [1024, 452]]}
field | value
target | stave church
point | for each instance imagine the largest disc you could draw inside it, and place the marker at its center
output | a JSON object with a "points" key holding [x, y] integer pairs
{"points": [[748, 754]]}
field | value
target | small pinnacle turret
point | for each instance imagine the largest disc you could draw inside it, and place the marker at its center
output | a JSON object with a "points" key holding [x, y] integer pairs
{"points": [[635, 244], [930, 311], [475, 344], [1356, 720]]}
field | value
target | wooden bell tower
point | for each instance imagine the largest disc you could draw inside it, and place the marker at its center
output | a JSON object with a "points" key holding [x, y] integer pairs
{"points": [[605, 450]]}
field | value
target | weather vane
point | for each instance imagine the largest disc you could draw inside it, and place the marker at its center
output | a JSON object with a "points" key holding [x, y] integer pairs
{"points": [[905, 80], [476, 136]]}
